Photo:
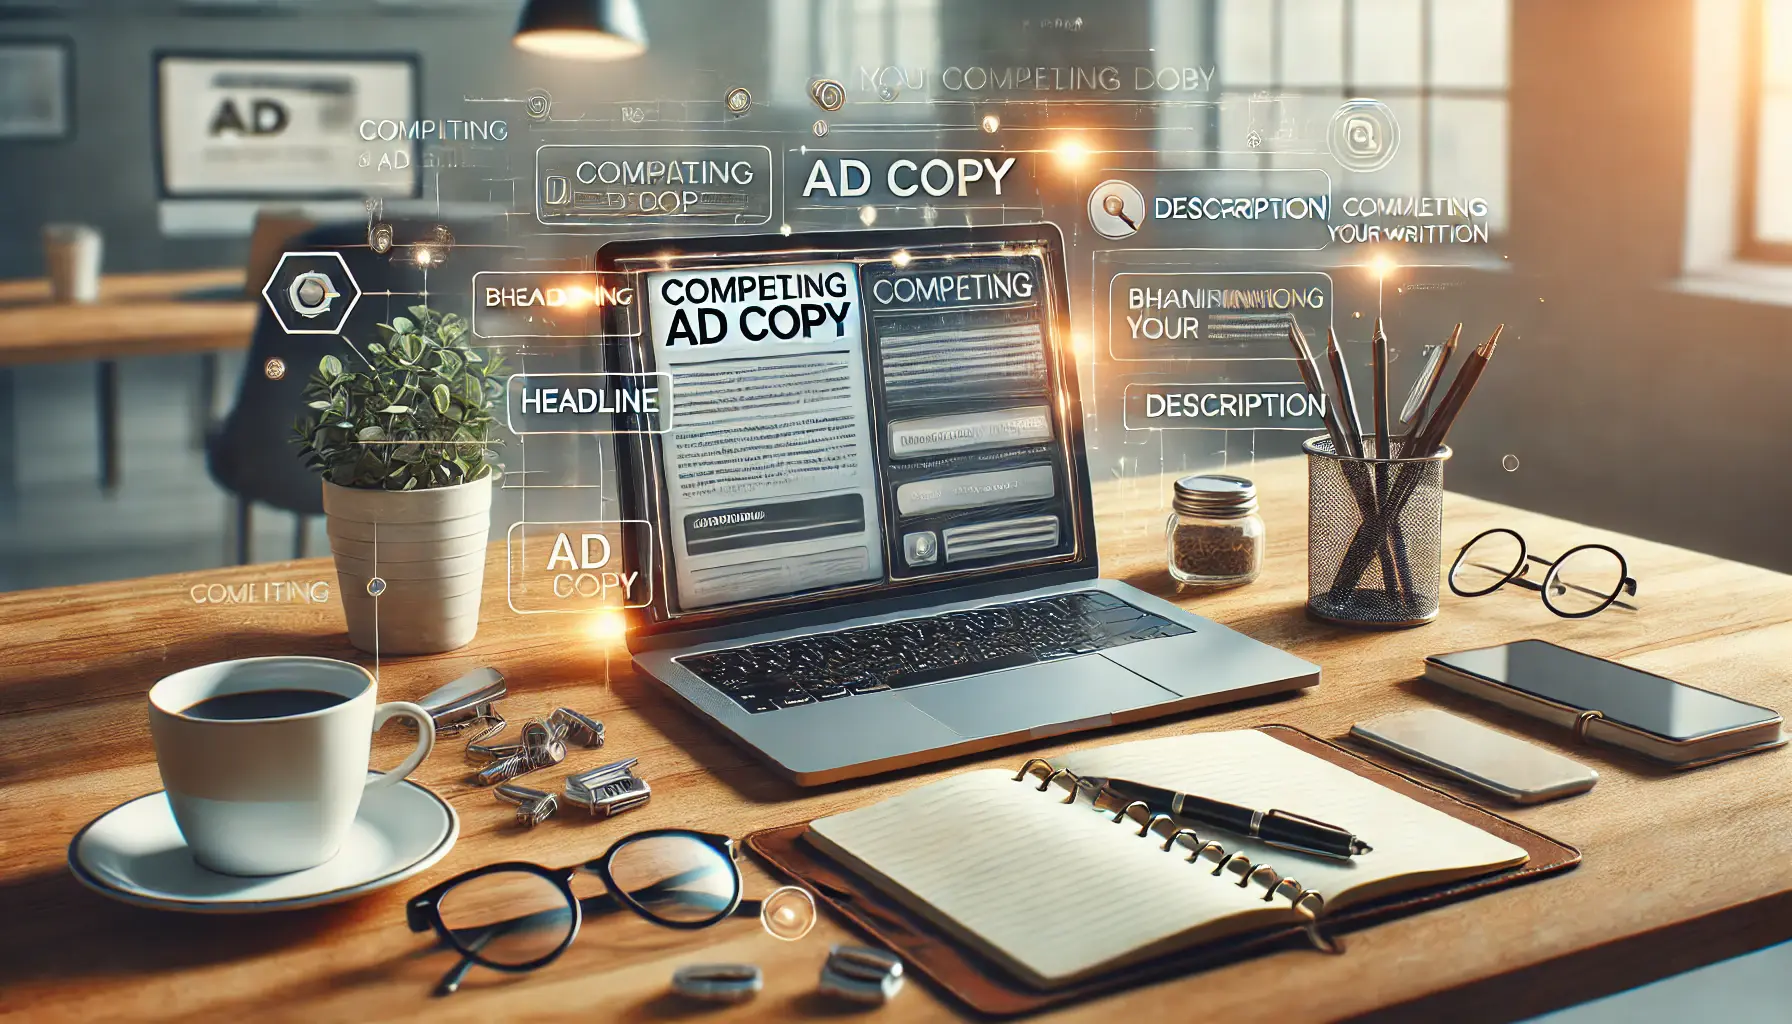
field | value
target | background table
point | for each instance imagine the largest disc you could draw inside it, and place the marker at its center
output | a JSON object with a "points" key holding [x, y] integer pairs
{"points": [[136, 315], [1681, 868]]}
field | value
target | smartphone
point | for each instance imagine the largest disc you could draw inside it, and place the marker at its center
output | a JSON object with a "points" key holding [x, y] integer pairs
{"points": [[1471, 753], [1651, 714]]}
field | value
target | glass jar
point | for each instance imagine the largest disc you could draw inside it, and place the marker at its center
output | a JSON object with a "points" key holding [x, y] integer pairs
{"points": [[1215, 537]]}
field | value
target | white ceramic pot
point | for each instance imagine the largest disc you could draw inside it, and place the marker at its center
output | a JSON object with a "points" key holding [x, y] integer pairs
{"points": [[430, 546]]}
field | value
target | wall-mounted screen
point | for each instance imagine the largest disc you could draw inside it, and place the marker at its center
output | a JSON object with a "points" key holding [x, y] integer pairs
{"points": [[302, 127]]}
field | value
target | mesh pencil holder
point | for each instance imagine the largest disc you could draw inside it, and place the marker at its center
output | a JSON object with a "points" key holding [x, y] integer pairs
{"points": [[1374, 536]]}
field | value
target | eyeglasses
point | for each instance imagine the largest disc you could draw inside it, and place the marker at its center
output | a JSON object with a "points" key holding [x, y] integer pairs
{"points": [[1585, 581], [515, 916]]}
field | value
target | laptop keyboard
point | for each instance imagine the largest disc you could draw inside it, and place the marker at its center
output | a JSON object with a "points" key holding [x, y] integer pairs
{"points": [[908, 652]]}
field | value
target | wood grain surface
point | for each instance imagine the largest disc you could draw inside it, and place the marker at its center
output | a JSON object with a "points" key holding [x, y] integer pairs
{"points": [[136, 315], [1680, 868]]}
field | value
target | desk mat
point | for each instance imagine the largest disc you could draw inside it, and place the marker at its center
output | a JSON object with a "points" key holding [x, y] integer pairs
{"points": [[981, 986]]}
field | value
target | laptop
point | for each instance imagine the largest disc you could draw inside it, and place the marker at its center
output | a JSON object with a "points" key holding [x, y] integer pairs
{"points": [[871, 540]]}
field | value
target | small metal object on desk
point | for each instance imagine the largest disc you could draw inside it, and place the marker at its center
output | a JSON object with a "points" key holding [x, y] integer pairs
{"points": [[608, 791], [466, 700], [612, 798], [543, 744], [586, 781], [862, 974], [581, 729], [504, 770], [718, 983], [532, 805], [484, 753]]}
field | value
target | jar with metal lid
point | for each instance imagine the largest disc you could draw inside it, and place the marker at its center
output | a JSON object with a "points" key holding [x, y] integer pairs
{"points": [[1215, 536]]}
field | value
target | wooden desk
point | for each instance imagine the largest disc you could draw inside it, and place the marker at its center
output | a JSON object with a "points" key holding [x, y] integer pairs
{"points": [[136, 315], [1680, 869]]}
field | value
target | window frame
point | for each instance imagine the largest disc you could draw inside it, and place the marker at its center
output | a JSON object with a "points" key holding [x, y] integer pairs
{"points": [[1750, 247]]}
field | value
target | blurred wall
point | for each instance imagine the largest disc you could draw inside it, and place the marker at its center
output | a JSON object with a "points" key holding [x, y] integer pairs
{"points": [[1630, 404]]}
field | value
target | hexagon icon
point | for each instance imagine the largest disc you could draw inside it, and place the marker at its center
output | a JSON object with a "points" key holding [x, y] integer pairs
{"points": [[311, 292]]}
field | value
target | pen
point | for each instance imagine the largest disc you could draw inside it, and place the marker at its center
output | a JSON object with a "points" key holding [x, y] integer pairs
{"points": [[1285, 829]]}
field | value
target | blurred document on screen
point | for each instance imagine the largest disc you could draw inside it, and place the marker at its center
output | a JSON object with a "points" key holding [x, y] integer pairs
{"points": [[770, 479]]}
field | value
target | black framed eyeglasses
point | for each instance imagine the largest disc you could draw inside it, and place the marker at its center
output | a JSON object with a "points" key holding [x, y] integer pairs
{"points": [[515, 916], [1585, 580]]}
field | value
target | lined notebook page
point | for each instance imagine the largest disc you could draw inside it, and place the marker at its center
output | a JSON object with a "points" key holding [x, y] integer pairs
{"points": [[1052, 891], [1414, 845]]}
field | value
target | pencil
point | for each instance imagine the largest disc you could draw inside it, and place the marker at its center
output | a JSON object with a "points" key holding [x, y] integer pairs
{"points": [[1426, 385], [1346, 394], [1383, 438], [1371, 535]]}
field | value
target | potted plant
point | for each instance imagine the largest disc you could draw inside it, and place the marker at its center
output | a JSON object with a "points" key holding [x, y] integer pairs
{"points": [[405, 445]]}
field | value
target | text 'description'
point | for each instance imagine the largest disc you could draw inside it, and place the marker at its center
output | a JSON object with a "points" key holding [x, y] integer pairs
{"points": [[1222, 315], [588, 403], [1276, 405], [579, 566], [554, 304], [652, 184]]}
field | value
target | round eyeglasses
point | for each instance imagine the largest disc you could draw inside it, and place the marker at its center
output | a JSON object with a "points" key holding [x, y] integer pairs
{"points": [[515, 916], [1585, 580]]}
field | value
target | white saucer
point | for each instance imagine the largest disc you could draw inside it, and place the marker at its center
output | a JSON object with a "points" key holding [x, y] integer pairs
{"points": [[135, 853]]}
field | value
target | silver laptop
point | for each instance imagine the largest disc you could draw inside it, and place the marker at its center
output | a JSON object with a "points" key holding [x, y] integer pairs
{"points": [[871, 537]]}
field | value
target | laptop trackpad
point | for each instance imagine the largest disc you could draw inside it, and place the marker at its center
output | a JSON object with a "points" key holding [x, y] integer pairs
{"points": [[1020, 699]]}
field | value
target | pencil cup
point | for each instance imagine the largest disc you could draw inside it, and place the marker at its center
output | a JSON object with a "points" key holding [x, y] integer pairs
{"points": [[1374, 536]]}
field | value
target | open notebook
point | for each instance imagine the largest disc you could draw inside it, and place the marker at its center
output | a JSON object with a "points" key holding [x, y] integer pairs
{"points": [[1057, 893]]}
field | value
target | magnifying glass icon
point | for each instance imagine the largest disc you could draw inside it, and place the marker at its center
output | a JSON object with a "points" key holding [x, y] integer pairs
{"points": [[1114, 206]]}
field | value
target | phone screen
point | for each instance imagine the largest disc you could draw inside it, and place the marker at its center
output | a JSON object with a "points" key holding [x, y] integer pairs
{"points": [[1649, 702]]}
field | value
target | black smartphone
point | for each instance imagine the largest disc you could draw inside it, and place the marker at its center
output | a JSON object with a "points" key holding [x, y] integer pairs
{"points": [[1606, 702]]}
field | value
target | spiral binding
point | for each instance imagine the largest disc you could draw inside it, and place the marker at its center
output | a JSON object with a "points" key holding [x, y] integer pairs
{"points": [[1162, 826]]}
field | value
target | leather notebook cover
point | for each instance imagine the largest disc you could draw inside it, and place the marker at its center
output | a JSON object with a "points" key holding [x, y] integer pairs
{"points": [[988, 990]]}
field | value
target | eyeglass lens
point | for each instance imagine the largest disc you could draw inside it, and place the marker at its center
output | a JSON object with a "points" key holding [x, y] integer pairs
{"points": [[1585, 579], [507, 917], [1488, 562], [675, 879]]}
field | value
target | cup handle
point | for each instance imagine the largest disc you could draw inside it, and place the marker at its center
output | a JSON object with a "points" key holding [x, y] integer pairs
{"points": [[426, 739]]}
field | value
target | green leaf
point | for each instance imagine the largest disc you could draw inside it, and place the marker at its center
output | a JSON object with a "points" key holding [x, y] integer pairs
{"points": [[330, 366], [317, 405], [400, 325], [440, 394], [371, 433], [420, 312], [376, 348], [392, 409]]}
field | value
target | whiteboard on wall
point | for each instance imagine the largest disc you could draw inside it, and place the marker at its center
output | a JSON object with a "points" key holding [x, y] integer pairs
{"points": [[285, 126]]}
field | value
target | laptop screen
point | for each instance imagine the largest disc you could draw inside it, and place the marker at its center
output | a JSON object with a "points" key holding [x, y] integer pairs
{"points": [[856, 419]]}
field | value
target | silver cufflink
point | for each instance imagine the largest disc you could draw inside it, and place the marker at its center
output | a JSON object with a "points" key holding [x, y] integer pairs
{"points": [[608, 791], [532, 805], [718, 983], [580, 729], [861, 974], [466, 701]]}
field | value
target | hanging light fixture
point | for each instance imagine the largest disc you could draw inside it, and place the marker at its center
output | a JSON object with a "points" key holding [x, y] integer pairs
{"points": [[582, 29]]}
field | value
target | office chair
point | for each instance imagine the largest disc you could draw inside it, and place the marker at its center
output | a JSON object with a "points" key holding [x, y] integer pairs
{"points": [[250, 452]]}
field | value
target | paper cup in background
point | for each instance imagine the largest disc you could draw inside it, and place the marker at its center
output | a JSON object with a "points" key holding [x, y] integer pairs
{"points": [[72, 255]]}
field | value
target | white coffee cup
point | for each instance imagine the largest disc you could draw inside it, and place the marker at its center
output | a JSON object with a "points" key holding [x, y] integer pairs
{"points": [[72, 257], [266, 796]]}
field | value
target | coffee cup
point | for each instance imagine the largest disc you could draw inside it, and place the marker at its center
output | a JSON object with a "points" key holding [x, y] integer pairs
{"points": [[72, 258], [265, 760]]}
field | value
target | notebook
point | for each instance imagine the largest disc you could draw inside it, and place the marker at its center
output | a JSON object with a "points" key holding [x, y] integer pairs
{"points": [[1056, 893]]}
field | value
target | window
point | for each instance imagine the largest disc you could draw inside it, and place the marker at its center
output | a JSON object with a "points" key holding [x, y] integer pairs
{"points": [[1765, 221], [1439, 65]]}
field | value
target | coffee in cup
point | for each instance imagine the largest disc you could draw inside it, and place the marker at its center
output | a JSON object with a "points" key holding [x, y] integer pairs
{"points": [[265, 760]]}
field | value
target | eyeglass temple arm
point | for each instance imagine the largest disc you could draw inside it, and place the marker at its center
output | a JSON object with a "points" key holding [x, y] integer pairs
{"points": [[450, 982]]}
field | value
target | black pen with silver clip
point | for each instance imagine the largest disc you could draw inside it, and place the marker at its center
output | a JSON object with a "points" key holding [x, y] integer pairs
{"points": [[1283, 829]]}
